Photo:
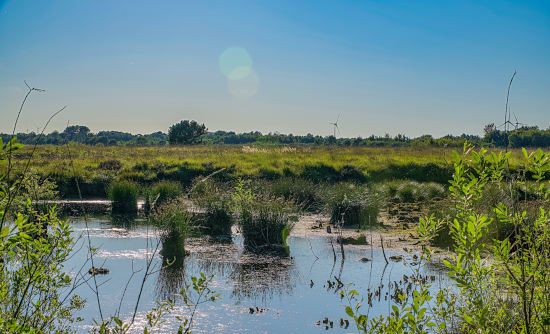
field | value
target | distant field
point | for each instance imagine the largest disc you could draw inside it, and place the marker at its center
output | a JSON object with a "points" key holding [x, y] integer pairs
{"points": [[97, 166]]}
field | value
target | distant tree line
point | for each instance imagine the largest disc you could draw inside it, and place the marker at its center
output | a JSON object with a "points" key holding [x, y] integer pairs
{"points": [[190, 132], [81, 134]]}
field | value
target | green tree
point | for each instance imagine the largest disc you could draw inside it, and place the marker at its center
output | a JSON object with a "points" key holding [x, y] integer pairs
{"points": [[186, 132]]}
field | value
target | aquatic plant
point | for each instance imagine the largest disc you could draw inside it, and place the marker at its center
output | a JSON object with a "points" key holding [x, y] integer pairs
{"points": [[351, 205], [265, 221], [172, 219], [166, 190], [216, 218], [123, 195]]}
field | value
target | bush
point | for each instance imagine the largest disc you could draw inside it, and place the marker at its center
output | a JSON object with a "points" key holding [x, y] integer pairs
{"points": [[166, 190], [123, 195], [351, 205]]}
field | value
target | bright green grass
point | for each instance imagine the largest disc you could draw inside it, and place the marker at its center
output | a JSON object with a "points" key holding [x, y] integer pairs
{"points": [[153, 164]]}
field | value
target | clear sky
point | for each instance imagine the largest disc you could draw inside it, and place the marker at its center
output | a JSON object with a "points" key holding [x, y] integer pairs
{"points": [[411, 67]]}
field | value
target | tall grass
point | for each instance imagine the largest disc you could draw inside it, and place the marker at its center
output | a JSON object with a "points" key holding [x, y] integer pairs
{"points": [[123, 195], [352, 205], [215, 217], [166, 190], [306, 194], [147, 165], [265, 221], [406, 191]]}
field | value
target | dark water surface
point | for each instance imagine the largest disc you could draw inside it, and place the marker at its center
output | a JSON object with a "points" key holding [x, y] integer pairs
{"points": [[280, 285]]}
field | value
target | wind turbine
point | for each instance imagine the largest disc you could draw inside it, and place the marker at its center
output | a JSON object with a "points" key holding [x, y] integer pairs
{"points": [[335, 124], [518, 123]]}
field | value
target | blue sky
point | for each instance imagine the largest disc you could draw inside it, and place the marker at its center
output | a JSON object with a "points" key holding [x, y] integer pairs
{"points": [[411, 67]]}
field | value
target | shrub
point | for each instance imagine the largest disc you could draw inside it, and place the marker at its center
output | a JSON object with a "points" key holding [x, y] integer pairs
{"points": [[351, 205], [166, 190], [123, 195]]}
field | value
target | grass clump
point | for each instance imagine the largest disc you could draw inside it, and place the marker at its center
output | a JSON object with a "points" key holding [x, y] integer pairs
{"points": [[123, 195], [216, 216], [173, 222], [304, 193], [352, 205], [165, 190], [412, 192], [265, 221]]}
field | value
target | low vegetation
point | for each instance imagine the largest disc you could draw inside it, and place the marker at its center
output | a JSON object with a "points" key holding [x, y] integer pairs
{"points": [[352, 205], [123, 195], [215, 216], [265, 221]]}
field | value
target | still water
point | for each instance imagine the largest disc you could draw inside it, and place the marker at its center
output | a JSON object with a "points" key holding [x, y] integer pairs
{"points": [[291, 292]]}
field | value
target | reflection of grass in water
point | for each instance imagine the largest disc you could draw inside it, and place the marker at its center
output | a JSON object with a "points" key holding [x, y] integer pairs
{"points": [[127, 221], [263, 276], [212, 256], [172, 274]]}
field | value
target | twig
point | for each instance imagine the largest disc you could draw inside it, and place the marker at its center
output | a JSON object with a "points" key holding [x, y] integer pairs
{"points": [[383, 251]]}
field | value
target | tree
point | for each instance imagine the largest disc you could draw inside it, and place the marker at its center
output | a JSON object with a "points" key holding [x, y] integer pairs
{"points": [[77, 133], [186, 132]]}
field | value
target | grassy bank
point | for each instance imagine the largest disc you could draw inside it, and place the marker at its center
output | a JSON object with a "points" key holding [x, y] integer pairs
{"points": [[96, 167]]}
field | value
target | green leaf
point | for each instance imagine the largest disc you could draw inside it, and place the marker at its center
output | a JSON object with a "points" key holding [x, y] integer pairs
{"points": [[349, 311]]}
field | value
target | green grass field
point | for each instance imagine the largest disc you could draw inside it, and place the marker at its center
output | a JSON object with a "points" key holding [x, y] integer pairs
{"points": [[96, 167]]}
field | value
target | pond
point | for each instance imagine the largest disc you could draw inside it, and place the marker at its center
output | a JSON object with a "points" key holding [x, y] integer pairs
{"points": [[258, 293]]}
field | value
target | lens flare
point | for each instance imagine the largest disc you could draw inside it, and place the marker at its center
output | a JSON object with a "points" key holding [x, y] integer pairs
{"points": [[246, 87], [235, 63]]}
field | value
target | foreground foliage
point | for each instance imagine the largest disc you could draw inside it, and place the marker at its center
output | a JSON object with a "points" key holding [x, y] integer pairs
{"points": [[503, 285]]}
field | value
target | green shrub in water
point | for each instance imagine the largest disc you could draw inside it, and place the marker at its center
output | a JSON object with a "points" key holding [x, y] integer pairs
{"points": [[352, 205], [123, 195]]}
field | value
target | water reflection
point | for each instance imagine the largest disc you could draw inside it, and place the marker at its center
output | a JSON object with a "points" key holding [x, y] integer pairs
{"points": [[127, 221], [292, 293], [213, 256], [261, 277], [171, 276]]}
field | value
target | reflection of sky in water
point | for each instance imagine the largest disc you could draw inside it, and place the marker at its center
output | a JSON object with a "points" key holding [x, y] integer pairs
{"points": [[280, 285]]}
